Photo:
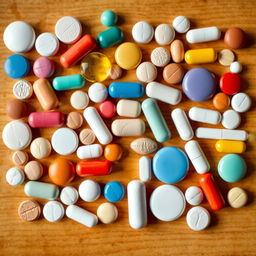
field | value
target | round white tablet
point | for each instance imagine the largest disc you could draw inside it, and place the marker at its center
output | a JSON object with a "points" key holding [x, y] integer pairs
{"points": [[194, 195], [181, 24], [68, 29], [146, 72], [236, 67], [22, 90], [53, 211], [19, 36], [160, 57], [69, 195], [98, 92], [198, 218], [241, 102], [167, 203], [15, 176], [231, 119], [164, 34], [142, 32], [16, 135], [65, 141], [79, 99], [47, 44], [89, 190]]}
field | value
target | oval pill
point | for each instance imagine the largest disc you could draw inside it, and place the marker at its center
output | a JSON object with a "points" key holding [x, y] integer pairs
{"points": [[110, 37], [89, 151], [198, 218], [53, 211], [128, 127], [203, 35], [204, 115], [145, 169], [194, 195], [128, 108], [237, 197], [230, 146], [144, 146], [241, 102], [200, 56], [177, 51], [115, 72], [61, 83], [126, 90]]}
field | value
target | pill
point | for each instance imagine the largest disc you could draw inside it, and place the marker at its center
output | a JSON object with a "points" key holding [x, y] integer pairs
{"points": [[221, 101], [194, 195], [69, 195], [164, 34], [211, 191], [146, 72], [128, 108], [237, 197], [107, 213], [181, 24], [198, 218], [143, 146], [89, 190], [68, 29], [22, 90], [221, 134], [64, 141], [40, 148], [41, 190], [97, 92], [115, 72], [107, 109], [45, 94], [145, 169], [108, 18], [200, 56], [110, 37], [98, 126], [81, 216], [156, 120], [93, 168], [230, 146], [33, 170], [16, 109], [19, 36], [236, 67], [182, 124], [113, 152], [89, 151], [142, 32], [15, 176], [87, 136], [16, 135], [204, 115], [16, 66], [137, 204], [79, 100], [167, 203], [226, 57], [47, 44], [177, 51], [173, 73], [77, 51], [53, 211], [197, 157], [203, 35], [114, 191], [128, 127], [61, 171], [230, 119], [160, 57], [74, 120], [61, 83], [235, 38], [230, 83], [241, 102], [43, 67], [20, 157], [126, 90], [29, 210], [46, 119]]}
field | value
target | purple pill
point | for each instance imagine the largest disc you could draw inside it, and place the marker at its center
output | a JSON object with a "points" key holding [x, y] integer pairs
{"points": [[43, 67], [199, 84]]}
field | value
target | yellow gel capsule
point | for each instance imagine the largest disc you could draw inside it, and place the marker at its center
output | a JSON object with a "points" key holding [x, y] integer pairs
{"points": [[230, 146], [200, 56]]}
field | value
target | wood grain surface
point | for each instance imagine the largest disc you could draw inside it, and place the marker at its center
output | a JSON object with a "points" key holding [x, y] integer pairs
{"points": [[232, 231]]}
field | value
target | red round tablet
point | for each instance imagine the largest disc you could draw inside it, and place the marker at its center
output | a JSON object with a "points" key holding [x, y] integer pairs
{"points": [[230, 83], [107, 109]]}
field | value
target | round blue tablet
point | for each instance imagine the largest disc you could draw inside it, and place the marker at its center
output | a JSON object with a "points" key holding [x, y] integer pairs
{"points": [[114, 191], [16, 66], [170, 165]]}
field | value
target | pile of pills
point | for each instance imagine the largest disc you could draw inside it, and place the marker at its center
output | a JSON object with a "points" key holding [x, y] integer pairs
{"points": [[169, 164]]}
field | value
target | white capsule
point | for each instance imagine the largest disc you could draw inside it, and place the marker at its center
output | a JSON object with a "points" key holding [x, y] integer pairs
{"points": [[145, 168], [15, 176], [128, 108], [231, 119], [203, 35], [194, 195], [137, 204], [89, 151], [241, 102], [142, 32], [53, 211], [236, 67], [69, 195], [181, 24], [204, 115], [128, 127], [164, 34]]}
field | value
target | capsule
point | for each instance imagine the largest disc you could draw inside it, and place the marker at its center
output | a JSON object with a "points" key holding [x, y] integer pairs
{"points": [[128, 127], [46, 119], [110, 37], [203, 35], [89, 151], [211, 191], [126, 90], [200, 56], [204, 115], [61, 83], [230, 146]]}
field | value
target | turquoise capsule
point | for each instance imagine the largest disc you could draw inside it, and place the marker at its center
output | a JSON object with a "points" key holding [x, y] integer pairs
{"points": [[110, 37], [61, 83], [108, 18], [41, 190], [155, 120]]}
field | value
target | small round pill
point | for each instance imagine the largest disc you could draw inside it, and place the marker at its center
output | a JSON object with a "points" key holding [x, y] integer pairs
{"points": [[87, 136], [79, 99], [221, 101], [236, 67], [160, 57], [114, 191], [108, 18], [194, 195], [97, 92], [29, 210], [20, 157], [22, 90], [231, 119], [164, 34], [40, 148], [43, 67], [107, 213], [226, 57], [33, 170], [181, 24], [113, 152], [235, 38], [241, 102], [146, 72], [47, 44], [173, 73], [74, 120], [115, 72], [89, 190], [142, 32], [69, 195], [15, 176], [237, 197], [16, 109], [53, 211], [107, 109]]}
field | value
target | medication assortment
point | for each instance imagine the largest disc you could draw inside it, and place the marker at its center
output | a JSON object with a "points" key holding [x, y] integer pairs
{"points": [[169, 164]]}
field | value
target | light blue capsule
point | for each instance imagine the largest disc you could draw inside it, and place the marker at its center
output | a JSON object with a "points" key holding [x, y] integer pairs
{"points": [[61, 83]]}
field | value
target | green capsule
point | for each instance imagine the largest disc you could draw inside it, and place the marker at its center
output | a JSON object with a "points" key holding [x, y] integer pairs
{"points": [[61, 83], [110, 37]]}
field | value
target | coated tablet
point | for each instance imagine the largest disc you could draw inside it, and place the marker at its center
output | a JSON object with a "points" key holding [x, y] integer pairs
{"points": [[231, 119], [43, 67], [204, 115], [198, 218], [142, 32], [114, 191], [128, 108], [146, 72], [89, 151], [203, 35], [241, 102], [128, 127], [143, 146], [145, 169], [97, 92], [194, 195], [107, 213], [181, 24], [47, 44], [164, 34], [160, 57], [236, 67], [108, 18], [69, 195], [79, 99], [89, 190], [53, 211], [15, 176], [22, 90]]}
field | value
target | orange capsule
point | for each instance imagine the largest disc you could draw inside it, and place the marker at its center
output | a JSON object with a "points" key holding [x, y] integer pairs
{"points": [[113, 152], [221, 101]]}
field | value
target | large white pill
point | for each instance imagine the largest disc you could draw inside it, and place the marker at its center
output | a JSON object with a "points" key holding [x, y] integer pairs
{"points": [[89, 190], [47, 44], [204, 115], [53, 211], [164, 34], [69, 195], [128, 127], [137, 204], [146, 72], [203, 35], [236, 67], [194, 195], [22, 90], [128, 108], [231, 119], [181, 24], [198, 218], [160, 57], [79, 99], [15, 176], [97, 92], [89, 151], [241, 102], [142, 32]]}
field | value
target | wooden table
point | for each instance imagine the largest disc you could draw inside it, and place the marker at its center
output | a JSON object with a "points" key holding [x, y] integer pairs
{"points": [[232, 231]]}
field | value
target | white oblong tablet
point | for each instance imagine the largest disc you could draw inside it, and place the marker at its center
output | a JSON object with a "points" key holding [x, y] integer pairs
{"points": [[160, 57], [181, 24], [128, 108], [79, 99], [16, 135], [97, 92], [69, 195], [145, 168], [22, 90], [167, 203], [236, 67], [142, 32], [231, 119], [241, 102], [146, 72], [204, 115], [19, 36], [89, 190], [128, 127], [47, 44], [203, 35], [89, 151], [15, 176], [53, 211], [194, 195], [164, 34], [198, 218], [64, 141]]}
